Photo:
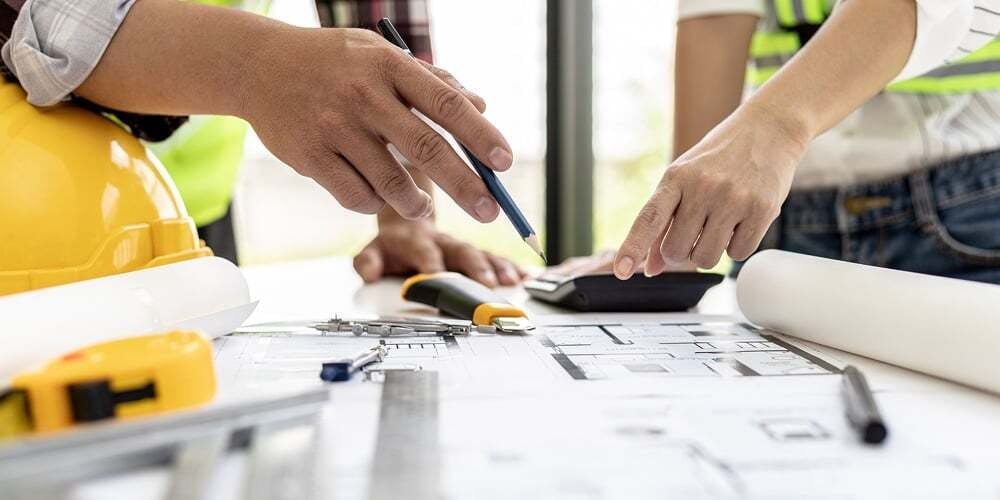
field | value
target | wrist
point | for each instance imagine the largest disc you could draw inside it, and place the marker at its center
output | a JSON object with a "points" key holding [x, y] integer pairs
{"points": [[780, 122], [262, 69]]}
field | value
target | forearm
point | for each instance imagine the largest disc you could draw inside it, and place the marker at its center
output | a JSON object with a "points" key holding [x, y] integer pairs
{"points": [[711, 58], [177, 58], [859, 50]]}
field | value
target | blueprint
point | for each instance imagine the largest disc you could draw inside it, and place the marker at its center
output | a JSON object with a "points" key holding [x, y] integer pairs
{"points": [[581, 352], [605, 407], [589, 352]]}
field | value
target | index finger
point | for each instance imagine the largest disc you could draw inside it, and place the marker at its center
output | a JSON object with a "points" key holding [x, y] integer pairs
{"points": [[649, 224], [450, 79], [447, 107], [368, 263]]}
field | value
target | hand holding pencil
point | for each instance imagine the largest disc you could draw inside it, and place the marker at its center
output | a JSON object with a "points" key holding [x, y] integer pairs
{"points": [[493, 184]]}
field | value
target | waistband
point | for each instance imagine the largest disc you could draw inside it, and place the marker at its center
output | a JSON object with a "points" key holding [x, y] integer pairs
{"points": [[876, 204]]}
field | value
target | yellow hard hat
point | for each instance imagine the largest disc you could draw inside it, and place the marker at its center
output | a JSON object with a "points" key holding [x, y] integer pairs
{"points": [[80, 198]]}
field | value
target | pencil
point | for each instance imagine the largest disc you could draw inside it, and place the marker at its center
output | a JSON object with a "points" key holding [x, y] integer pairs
{"points": [[493, 184]]}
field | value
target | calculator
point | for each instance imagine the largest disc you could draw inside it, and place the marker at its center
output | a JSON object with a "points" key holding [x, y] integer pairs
{"points": [[671, 291]]}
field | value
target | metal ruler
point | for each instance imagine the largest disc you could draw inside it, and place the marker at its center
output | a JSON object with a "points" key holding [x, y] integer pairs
{"points": [[192, 442], [408, 451]]}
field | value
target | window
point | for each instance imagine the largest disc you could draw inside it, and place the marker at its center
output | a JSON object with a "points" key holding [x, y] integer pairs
{"points": [[633, 102], [281, 215], [503, 60]]}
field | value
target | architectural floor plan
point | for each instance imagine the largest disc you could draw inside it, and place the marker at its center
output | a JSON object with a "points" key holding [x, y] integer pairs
{"points": [[692, 350], [606, 407]]}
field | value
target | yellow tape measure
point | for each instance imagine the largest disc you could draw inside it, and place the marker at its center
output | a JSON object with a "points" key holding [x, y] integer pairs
{"points": [[459, 296], [121, 378]]}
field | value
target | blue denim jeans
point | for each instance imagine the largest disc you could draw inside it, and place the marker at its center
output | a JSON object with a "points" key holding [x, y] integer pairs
{"points": [[943, 221]]}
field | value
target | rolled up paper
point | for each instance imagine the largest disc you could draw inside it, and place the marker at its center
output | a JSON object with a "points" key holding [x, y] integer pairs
{"points": [[207, 294], [944, 327]]}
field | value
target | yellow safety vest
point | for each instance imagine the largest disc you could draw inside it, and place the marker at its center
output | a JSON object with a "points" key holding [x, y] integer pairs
{"points": [[203, 158], [769, 50]]}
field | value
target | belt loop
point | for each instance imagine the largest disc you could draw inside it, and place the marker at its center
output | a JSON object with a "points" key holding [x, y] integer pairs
{"points": [[922, 198], [843, 223], [771, 236], [779, 239], [775, 232]]}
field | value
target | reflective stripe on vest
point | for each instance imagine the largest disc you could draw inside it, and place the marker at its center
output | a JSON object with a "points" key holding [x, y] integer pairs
{"points": [[768, 53], [975, 72], [795, 12]]}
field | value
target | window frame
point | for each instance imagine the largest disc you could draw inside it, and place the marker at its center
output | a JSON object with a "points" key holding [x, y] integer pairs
{"points": [[569, 148]]}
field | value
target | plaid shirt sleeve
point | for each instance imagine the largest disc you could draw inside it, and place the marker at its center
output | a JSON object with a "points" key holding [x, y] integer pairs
{"points": [[409, 16], [54, 45], [51, 63]]}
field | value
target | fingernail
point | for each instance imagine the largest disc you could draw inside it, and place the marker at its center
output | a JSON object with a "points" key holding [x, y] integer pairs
{"points": [[673, 262], [366, 274], [374, 206], [485, 209], [472, 95], [510, 276], [500, 159], [488, 277], [624, 267]]}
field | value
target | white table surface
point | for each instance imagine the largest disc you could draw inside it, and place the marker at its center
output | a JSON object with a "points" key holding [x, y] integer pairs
{"points": [[322, 288], [952, 417]]}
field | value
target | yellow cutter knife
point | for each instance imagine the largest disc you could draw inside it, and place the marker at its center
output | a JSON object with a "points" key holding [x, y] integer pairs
{"points": [[461, 297], [121, 378]]}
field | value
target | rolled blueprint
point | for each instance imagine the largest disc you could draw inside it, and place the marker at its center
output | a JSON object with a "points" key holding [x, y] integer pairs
{"points": [[207, 294], [940, 326]]}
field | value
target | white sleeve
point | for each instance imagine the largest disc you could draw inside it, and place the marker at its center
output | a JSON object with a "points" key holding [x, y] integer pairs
{"points": [[55, 44], [947, 30], [697, 8]]}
